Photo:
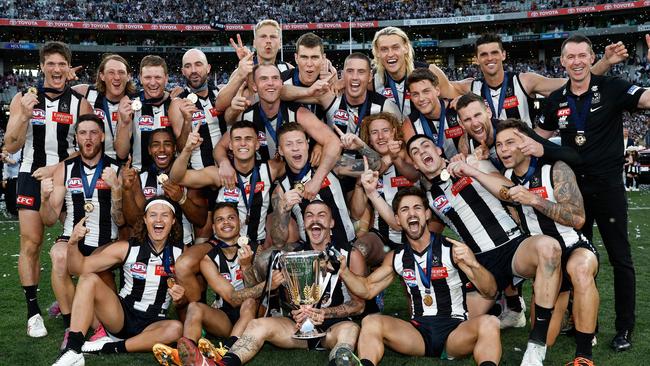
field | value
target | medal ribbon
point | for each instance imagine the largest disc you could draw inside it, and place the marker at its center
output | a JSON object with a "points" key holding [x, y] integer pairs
{"points": [[297, 82], [297, 178], [268, 125], [393, 87], [532, 167], [362, 110], [580, 116], [441, 125], [153, 101], [107, 113], [240, 184], [426, 276], [90, 188], [502, 97]]}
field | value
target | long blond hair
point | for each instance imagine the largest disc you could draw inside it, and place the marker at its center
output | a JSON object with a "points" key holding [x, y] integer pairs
{"points": [[408, 58]]}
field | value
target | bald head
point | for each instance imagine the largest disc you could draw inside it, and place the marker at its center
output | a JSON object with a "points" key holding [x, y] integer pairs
{"points": [[195, 68]]}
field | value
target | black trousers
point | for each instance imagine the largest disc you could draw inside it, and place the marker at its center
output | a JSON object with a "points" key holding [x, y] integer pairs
{"points": [[608, 207]]}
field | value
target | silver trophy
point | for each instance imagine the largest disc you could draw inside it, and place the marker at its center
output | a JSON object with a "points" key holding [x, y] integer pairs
{"points": [[303, 274]]}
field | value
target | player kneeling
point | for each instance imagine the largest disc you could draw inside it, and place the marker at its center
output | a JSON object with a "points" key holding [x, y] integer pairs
{"points": [[434, 269]]}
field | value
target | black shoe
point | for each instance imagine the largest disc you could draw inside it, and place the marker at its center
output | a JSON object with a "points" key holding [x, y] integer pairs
{"points": [[622, 341]]}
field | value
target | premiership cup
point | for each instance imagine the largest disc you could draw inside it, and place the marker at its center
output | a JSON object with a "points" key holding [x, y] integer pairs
{"points": [[303, 273]]}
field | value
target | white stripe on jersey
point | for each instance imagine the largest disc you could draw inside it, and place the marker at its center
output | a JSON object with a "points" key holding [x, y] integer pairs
{"points": [[142, 123], [387, 92], [353, 113], [388, 186], [519, 92], [91, 96], [264, 137], [448, 146], [210, 116], [234, 274]]}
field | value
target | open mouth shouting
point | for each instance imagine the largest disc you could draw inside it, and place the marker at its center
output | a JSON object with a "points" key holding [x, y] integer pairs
{"points": [[316, 232]]}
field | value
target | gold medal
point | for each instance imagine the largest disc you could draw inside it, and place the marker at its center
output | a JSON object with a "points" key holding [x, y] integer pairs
{"points": [[428, 301], [162, 178], [89, 207], [504, 193], [192, 98], [32, 90], [242, 240], [299, 187], [136, 105], [580, 139], [170, 282], [444, 175]]}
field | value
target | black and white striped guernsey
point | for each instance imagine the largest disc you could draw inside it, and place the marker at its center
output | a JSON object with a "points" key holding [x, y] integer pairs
{"points": [[151, 187], [213, 126], [391, 181], [446, 288], [268, 146], [107, 110], [348, 117], [146, 120], [330, 193], [452, 132], [290, 77], [535, 222], [255, 227], [99, 222], [516, 103], [143, 279], [473, 213], [229, 268], [382, 85], [50, 136]]}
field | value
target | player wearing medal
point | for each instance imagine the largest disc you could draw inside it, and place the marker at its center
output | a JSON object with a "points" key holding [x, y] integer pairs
{"points": [[550, 203], [226, 268], [587, 111], [434, 270], [112, 83], [41, 123], [153, 180], [137, 313], [144, 114], [88, 186], [337, 305]]}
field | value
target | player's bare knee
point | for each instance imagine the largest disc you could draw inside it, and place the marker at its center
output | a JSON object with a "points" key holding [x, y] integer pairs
{"points": [[194, 309], [87, 281], [549, 252], [258, 327], [186, 266], [372, 322], [581, 275], [489, 325], [171, 332], [248, 306], [59, 257]]}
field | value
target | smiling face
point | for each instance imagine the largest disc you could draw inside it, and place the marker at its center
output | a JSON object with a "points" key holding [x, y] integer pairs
{"points": [[412, 215], [309, 61], [392, 53], [153, 80], [294, 147], [475, 119], [244, 143], [268, 83], [424, 95], [115, 76], [507, 147], [380, 132], [426, 157], [159, 219], [267, 42], [90, 139], [577, 59], [162, 149], [55, 68], [195, 68], [356, 75], [318, 223], [490, 57], [225, 224]]}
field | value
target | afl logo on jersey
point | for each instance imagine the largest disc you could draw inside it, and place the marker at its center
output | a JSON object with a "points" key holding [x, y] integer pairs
{"points": [[139, 270], [198, 118], [409, 277], [387, 93], [145, 123], [38, 117], [441, 204], [261, 138], [75, 185], [100, 113], [231, 195], [341, 117], [149, 192]]}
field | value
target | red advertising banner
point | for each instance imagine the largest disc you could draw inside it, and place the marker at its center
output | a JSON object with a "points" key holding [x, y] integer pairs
{"points": [[588, 9]]}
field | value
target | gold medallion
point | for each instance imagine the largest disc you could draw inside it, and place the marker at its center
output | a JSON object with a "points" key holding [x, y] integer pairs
{"points": [[299, 187], [89, 207], [242, 240], [136, 105], [504, 193], [192, 98], [444, 175], [162, 178], [428, 300], [170, 282], [32, 90], [580, 139]]}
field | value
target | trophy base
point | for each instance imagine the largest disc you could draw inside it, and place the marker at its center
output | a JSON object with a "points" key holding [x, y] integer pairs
{"points": [[309, 335]]}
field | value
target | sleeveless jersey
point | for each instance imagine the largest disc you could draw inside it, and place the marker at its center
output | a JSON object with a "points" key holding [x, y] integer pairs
{"points": [[452, 129], [290, 77], [230, 269], [108, 112], [265, 136], [146, 120], [516, 103], [391, 181]]}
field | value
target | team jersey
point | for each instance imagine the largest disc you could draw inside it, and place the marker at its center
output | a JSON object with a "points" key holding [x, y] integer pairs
{"points": [[387, 186], [252, 215], [348, 117], [50, 136], [99, 222], [107, 110], [143, 276], [430, 127], [290, 77], [145, 121], [395, 90], [229, 268], [213, 126], [446, 288], [268, 126], [516, 102]]}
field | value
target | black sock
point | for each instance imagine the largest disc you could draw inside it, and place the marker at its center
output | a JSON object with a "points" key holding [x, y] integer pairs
{"points": [[114, 347], [230, 341], [75, 341], [367, 362], [66, 320], [540, 329], [583, 344], [231, 359], [513, 303], [32, 301], [487, 363], [495, 309], [332, 362]]}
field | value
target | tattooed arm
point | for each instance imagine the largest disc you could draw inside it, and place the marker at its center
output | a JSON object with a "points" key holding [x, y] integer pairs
{"points": [[352, 167], [569, 207], [355, 305], [280, 219]]}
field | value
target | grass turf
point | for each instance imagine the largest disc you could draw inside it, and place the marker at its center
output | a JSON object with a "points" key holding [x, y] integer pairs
{"points": [[18, 349]]}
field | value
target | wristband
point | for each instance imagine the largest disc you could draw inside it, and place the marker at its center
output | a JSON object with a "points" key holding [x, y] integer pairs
{"points": [[183, 199]]}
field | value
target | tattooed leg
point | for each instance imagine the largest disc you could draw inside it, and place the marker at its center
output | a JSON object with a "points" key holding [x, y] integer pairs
{"points": [[278, 331]]}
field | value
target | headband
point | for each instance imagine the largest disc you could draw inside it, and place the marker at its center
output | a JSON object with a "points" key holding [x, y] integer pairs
{"points": [[161, 201]]}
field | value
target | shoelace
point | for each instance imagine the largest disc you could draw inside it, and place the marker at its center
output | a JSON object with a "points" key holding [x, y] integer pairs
{"points": [[581, 361]]}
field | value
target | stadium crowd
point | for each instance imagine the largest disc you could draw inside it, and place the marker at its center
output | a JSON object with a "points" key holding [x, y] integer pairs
{"points": [[231, 186]]}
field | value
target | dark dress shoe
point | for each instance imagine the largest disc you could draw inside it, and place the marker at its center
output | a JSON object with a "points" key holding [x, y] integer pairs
{"points": [[622, 341]]}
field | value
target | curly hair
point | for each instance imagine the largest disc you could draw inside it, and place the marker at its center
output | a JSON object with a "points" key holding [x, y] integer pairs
{"points": [[395, 123]]}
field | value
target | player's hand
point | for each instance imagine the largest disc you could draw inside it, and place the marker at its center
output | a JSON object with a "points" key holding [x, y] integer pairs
{"points": [[27, 103], [326, 73], [79, 231], [369, 178], [523, 196], [300, 315], [239, 102], [316, 315], [277, 279], [245, 66], [312, 187], [44, 172], [482, 152], [241, 50], [187, 109], [529, 146], [177, 292], [319, 88], [462, 254], [615, 53], [110, 177], [194, 139], [462, 169], [175, 92], [289, 199], [245, 255], [350, 141], [227, 174], [128, 175], [316, 154], [125, 110], [72, 73], [395, 150], [457, 157], [173, 191], [47, 187]]}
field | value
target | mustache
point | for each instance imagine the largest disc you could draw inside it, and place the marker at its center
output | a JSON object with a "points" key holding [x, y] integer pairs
{"points": [[316, 224]]}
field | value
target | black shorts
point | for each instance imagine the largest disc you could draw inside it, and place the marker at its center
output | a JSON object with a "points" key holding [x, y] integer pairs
{"points": [[134, 322], [566, 254], [499, 261], [86, 250], [434, 331], [231, 312], [28, 192], [314, 343]]}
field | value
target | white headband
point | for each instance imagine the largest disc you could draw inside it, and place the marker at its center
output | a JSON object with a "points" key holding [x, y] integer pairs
{"points": [[162, 202]]}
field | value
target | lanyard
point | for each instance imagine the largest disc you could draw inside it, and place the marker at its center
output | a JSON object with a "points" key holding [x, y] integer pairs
{"points": [[393, 87], [107, 113], [502, 97], [362, 110], [426, 276], [240, 184], [90, 188], [532, 167], [268, 125], [441, 125], [580, 116], [152, 101], [294, 178]]}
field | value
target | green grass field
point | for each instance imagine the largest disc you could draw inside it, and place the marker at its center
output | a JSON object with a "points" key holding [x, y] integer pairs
{"points": [[18, 349]]}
